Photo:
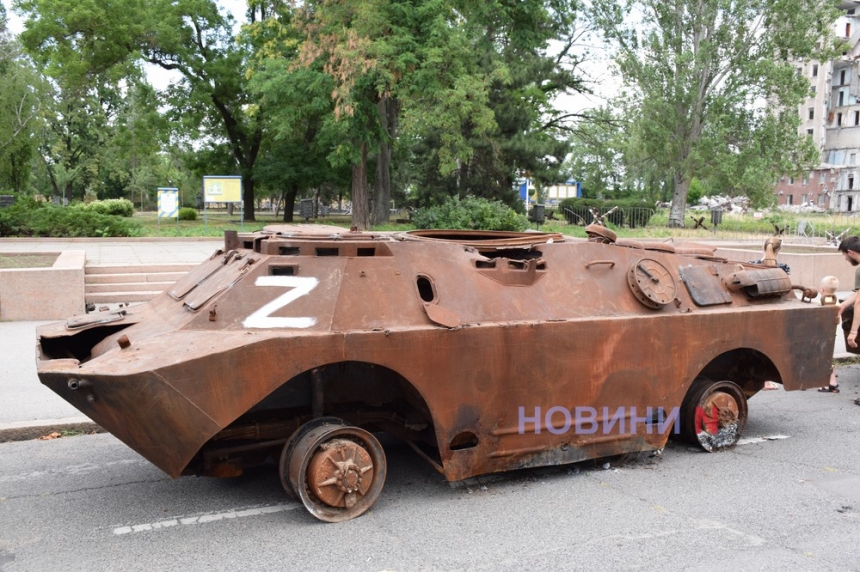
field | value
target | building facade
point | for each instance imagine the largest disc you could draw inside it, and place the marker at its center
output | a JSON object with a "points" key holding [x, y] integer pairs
{"points": [[831, 116]]}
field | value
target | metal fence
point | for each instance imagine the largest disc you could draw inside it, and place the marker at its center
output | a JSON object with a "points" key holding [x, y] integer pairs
{"points": [[630, 217], [797, 227], [794, 227]]}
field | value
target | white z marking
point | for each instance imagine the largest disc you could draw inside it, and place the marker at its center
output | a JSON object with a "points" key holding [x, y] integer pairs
{"points": [[301, 285]]}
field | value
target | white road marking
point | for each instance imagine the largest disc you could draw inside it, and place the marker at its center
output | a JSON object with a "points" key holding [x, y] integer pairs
{"points": [[203, 519], [748, 440]]}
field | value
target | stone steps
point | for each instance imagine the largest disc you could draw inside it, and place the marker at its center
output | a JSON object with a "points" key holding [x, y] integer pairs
{"points": [[113, 283]]}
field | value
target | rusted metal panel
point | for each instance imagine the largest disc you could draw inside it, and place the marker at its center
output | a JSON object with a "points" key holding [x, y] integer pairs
{"points": [[486, 351]]}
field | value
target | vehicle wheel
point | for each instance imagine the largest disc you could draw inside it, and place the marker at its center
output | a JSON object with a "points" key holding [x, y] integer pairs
{"points": [[714, 414], [337, 471], [283, 465]]}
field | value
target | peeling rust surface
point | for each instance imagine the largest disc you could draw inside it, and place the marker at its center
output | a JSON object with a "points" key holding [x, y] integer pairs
{"points": [[484, 351]]}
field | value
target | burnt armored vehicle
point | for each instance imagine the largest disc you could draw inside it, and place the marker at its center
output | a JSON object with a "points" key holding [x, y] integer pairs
{"points": [[484, 351]]}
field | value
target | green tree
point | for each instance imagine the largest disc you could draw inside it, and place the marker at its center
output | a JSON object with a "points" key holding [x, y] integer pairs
{"points": [[23, 90], [302, 131], [77, 127], [130, 165], [90, 38], [514, 76], [598, 150], [708, 79], [431, 68], [366, 47]]}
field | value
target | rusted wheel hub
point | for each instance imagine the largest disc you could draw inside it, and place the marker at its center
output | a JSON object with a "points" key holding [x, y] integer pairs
{"points": [[340, 473], [337, 471], [714, 414], [286, 452], [719, 410]]}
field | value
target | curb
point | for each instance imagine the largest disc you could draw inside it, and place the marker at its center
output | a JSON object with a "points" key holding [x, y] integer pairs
{"points": [[34, 429]]}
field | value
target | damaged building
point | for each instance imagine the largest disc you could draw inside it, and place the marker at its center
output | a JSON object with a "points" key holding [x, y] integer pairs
{"points": [[831, 116]]}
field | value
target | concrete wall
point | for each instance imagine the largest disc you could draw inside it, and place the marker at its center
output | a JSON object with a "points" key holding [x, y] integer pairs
{"points": [[807, 269], [44, 293]]}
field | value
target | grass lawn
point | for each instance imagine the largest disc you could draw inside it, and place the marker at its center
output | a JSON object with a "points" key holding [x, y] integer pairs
{"points": [[217, 222], [733, 227]]}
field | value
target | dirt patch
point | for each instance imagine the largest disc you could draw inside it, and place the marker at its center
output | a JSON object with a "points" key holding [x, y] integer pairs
{"points": [[27, 260]]}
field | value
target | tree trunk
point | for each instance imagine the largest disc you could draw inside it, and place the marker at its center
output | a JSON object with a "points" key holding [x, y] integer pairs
{"points": [[679, 201], [277, 209], [463, 180], [290, 202], [382, 186], [248, 195], [389, 111], [360, 202]]}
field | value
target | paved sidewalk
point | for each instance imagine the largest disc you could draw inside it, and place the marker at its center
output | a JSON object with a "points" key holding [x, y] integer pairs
{"points": [[122, 251], [29, 409]]}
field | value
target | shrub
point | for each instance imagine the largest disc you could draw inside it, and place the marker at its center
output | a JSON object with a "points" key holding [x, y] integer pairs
{"points": [[187, 213], [116, 207], [471, 213], [696, 192], [33, 218]]}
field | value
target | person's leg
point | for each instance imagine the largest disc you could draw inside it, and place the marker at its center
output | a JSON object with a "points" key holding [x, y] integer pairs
{"points": [[833, 387]]}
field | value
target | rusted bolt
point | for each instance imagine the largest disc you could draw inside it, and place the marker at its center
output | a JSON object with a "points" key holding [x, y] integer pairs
{"points": [[76, 384], [362, 273], [123, 341], [213, 314]]}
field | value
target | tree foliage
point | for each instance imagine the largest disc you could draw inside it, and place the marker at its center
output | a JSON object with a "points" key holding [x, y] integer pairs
{"points": [[713, 86], [20, 107], [426, 98], [80, 39], [514, 78]]}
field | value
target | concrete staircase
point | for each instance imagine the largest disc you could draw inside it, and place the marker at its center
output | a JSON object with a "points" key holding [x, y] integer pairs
{"points": [[109, 284]]}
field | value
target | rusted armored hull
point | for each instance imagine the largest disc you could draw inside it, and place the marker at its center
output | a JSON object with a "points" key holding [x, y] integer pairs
{"points": [[486, 358]]}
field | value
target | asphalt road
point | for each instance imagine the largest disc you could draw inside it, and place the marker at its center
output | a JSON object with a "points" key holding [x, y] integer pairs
{"points": [[788, 498]]}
